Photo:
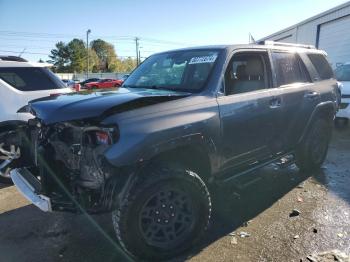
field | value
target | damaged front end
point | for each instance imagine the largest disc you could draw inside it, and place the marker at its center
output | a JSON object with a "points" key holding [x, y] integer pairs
{"points": [[69, 164]]}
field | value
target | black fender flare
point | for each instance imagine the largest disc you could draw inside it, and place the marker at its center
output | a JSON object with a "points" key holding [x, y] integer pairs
{"points": [[324, 109], [197, 141]]}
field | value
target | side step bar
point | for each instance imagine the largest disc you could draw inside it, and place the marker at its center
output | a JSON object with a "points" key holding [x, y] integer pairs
{"points": [[281, 161]]}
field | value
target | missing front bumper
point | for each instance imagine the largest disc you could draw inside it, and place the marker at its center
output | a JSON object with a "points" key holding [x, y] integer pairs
{"points": [[28, 185]]}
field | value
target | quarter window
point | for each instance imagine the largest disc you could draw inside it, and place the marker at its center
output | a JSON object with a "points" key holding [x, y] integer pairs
{"points": [[288, 68], [321, 65]]}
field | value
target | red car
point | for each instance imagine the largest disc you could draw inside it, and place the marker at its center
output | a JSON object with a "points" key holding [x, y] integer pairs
{"points": [[104, 83]]}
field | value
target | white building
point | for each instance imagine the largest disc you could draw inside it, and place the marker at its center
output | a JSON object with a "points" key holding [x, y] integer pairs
{"points": [[329, 31]]}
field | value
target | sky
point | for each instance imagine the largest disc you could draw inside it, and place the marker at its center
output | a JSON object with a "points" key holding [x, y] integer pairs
{"points": [[32, 27]]}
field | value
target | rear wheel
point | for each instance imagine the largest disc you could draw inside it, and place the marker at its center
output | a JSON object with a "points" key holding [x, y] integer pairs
{"points": [[312, 152], [341, 122], [164, 213]]}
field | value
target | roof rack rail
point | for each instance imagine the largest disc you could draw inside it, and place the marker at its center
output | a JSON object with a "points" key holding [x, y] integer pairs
{"points": [[12, 58], [287, 44]]}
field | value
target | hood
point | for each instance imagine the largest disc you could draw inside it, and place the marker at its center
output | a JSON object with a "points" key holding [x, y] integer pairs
{"points": [[87, 105]]}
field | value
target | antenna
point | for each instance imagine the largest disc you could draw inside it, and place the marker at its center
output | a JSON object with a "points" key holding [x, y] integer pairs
{"points": [[20, 54]]}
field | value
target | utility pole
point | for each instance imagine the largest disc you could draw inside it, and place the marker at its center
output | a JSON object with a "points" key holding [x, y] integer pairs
{"points": [[87, 46], [140, 47], [137, 50]]}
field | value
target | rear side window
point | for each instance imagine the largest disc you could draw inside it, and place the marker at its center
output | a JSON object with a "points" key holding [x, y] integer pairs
{"points": [[30, 78], [321, 65], [289, 68]]}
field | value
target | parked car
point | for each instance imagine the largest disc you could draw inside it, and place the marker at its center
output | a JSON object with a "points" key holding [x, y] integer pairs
{"points": [[343, 75], [72, 84], [20, 82], [182, 120], [68, 83], [125, 77], [83, 83], [104, 83]]}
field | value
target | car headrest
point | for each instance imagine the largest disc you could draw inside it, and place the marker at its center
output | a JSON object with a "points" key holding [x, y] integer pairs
{"points": [[241, 72], [254, 67]]}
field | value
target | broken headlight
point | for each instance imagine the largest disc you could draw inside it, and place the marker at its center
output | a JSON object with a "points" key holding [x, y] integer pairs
{"points": [[101, 136]]}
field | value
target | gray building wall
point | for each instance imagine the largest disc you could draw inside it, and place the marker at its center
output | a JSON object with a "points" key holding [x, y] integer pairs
{"points": [[308, 31]]}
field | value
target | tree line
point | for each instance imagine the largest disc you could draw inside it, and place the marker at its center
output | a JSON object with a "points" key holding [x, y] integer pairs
{"points": [[71, 57]]}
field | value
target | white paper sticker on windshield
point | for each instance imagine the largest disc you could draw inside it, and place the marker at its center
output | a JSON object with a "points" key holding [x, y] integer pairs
{"points": [[203, 59]]}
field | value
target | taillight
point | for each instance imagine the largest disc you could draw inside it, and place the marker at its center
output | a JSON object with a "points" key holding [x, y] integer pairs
{"points": [[77, 87]]}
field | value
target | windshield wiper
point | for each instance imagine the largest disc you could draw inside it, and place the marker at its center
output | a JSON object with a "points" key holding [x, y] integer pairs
{"points": [[150, 87]]}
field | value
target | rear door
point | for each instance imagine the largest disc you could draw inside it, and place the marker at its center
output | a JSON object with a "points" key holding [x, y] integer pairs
{"points": [[245, 109], [296, 95]]}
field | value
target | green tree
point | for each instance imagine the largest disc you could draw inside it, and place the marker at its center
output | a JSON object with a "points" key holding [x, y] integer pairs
{"points": [[77, 55], [106, 55], [59, 57], [72, 57]]}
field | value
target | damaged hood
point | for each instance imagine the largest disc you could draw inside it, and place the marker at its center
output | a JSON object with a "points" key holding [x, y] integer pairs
{"points": [[86, 104]]}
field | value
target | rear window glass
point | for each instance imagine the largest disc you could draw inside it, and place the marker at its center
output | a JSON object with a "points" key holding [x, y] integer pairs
{"points": [[30, 78], [321, 65], [342, 73], [289, 68]]}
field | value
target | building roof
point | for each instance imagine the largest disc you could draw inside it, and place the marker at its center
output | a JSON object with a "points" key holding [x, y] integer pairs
{"points": [[334, 9]]}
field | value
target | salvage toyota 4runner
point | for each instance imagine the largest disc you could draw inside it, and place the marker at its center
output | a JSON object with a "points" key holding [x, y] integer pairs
{"points": [[182, 120]]}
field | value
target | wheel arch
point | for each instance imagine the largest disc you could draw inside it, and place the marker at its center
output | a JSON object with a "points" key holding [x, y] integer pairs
{"points": [[325, 110], [192, 156]]}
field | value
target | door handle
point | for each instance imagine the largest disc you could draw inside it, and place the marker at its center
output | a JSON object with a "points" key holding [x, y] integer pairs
{"points": [[275, 102], [312, 95]]}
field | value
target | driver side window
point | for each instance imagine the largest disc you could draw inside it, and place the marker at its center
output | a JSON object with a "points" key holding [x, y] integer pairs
{"points": [[246, 72]]}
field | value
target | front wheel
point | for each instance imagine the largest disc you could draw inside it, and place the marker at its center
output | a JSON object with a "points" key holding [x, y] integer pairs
{"points": [[7, 155], [312, 152], [164, 213], [5, 175]]}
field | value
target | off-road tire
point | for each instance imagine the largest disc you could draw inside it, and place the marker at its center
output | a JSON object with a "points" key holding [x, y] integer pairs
{"points": [[341, 123], [128, 217], [312, 151]]}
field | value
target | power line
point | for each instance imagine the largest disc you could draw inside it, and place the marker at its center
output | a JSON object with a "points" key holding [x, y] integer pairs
{"points": [[39, 35], [57, 35], [20, 51]]}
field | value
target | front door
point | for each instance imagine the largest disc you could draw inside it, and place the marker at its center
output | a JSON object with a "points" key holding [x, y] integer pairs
{"points": [[246, 109]]}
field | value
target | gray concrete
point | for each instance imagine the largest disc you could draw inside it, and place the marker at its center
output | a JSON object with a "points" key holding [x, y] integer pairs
{"points": [[27, 234]]}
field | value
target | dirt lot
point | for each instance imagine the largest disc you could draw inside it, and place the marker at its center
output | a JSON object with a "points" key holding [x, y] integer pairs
{"points": [[262, 210]]}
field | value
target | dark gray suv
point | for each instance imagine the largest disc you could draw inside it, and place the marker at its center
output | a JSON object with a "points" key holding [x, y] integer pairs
{"points": [[182, 120]]}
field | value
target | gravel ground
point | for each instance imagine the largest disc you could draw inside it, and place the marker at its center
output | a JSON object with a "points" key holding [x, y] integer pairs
{"points": [[261, 212]]}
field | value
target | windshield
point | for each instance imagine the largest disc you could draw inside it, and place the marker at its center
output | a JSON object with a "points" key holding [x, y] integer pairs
{"points": [[343, 73], [31, 78], [180, 70]]}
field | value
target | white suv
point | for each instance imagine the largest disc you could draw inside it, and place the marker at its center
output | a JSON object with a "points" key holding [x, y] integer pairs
{"points": [[343, 76], [20, 82]]}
